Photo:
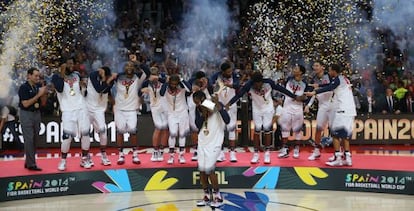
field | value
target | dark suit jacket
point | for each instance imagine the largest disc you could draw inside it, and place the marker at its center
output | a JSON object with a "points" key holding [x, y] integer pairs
{"points": [[364, 105], [404, 105], [384, 104]]}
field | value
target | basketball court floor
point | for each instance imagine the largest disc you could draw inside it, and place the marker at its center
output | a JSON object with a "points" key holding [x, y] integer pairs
{"points": [[235, 199]]}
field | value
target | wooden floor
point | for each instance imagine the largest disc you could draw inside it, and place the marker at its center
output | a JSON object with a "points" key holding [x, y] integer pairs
{"points": [[185, 200]]}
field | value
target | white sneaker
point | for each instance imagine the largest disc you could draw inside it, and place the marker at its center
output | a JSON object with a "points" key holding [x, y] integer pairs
{"points": [[204, 202], [90, 160], [283, 153], [195, 156], [154, 157], [85, 163], [121, 159], [104, 159], [267, 157], [296, 152], [316, 154], [171, 159], [255, 158], [221, 157], [332, 158], [160, 156], [135, 158], [348, 159], [337, 161], [62, 165], [233, 157], [181, 158], [217, 202]]}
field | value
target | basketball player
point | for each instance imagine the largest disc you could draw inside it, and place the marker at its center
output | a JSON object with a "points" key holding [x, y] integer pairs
{"points": [[324, 106], [225, 83], [292, 116], [159, 116], [198, 82], [100, 83], [175, 91], [127, 85], [75, 119], [260, 90], [343, 114], [211, 121]]}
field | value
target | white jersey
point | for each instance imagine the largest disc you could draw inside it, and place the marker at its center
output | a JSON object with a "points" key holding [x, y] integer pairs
{"points": [[175, 101], [97, 101], [343, 99], [290, 105], [324, 99], [70, 97], [226, 93], [262, 99], [156, 100], [126, 98], [215, 136]]}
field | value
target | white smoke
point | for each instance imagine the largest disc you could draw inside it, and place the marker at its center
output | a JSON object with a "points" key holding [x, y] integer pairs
{"points": [[204, 30], [397, 16], [20, 27], [106, 43]]}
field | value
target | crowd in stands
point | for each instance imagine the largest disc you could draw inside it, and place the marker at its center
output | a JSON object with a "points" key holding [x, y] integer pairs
{"points": [[145, 27]]}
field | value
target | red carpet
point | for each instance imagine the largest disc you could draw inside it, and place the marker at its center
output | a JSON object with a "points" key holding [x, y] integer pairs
{"points": [[361, 160]]}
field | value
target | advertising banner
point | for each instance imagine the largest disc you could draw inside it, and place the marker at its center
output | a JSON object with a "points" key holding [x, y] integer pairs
{"points": [[374, 129], [261, 177]]}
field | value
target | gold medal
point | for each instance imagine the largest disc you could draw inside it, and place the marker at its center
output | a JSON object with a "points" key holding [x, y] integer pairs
{"points": [[126, 95], [36, 105], [72, 92], [206, 132], [205, 129]]}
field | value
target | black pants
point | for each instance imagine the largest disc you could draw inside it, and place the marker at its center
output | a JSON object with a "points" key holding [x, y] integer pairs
{"points": [[30, 122], [278, 137]]}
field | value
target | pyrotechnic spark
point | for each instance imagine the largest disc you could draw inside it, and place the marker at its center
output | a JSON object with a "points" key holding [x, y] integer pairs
{"points": [[32, 32], [302, 30]]}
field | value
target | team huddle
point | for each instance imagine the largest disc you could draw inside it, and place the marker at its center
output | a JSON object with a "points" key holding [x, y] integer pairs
{"points": [[181, 107]]}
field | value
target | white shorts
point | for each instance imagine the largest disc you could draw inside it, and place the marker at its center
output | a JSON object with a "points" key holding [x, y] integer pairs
{"points": [[76, 122], [159, 117], [207, 158], [178, 124], [263, 120], [97, 119], [125, 121], [323, 118], [342, 126], [232, 126], [294, 122], [191, 115]]}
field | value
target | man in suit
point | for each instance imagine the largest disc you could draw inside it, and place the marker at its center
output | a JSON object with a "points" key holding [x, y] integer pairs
{"points": [[389, 103], [368, 103]]}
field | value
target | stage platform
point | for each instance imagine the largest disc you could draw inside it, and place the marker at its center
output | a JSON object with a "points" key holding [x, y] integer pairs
{"points": [[385, 169]]}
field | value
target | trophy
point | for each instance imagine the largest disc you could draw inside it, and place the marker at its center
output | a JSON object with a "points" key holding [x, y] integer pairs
{"points": [[218, 87]]}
